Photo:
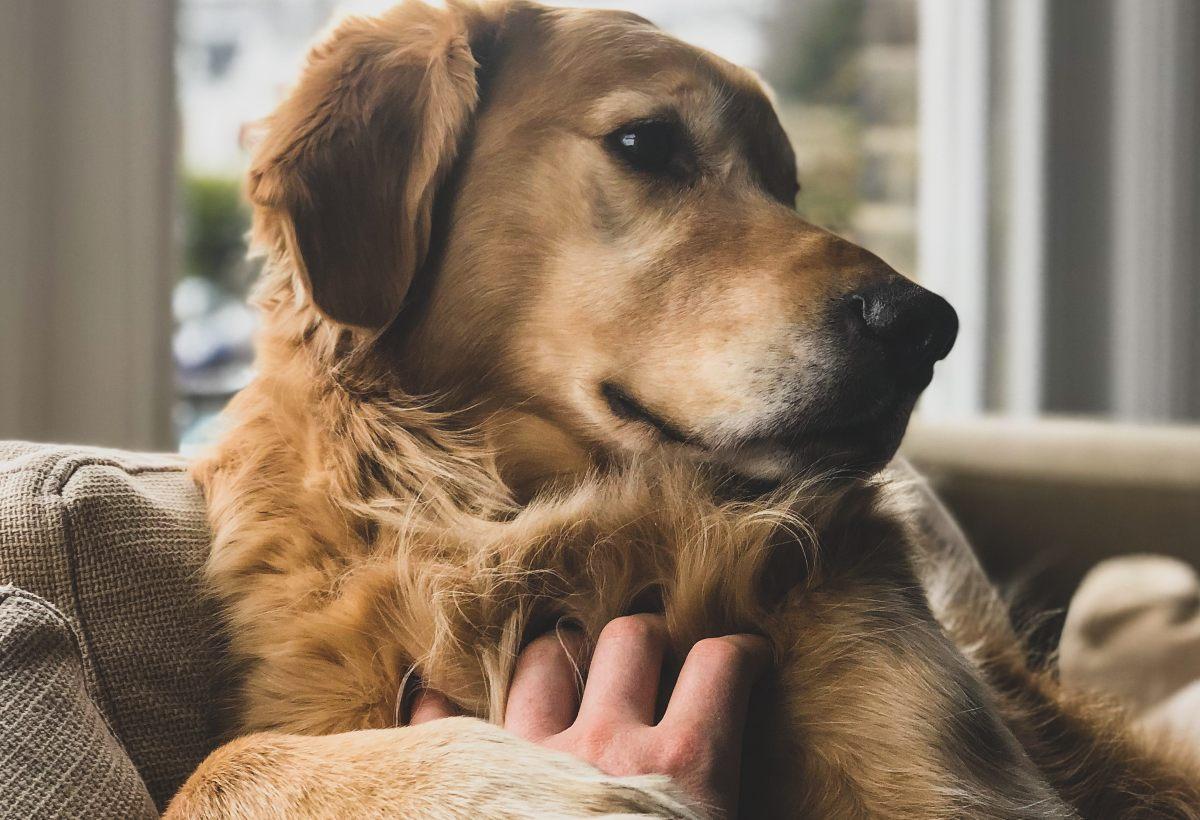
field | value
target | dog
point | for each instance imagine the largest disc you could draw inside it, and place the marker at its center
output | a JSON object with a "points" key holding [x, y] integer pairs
{"points": [[545, 338]]}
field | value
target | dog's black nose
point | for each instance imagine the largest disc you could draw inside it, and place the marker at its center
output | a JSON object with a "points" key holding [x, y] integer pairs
{"points": [[916, 326]]}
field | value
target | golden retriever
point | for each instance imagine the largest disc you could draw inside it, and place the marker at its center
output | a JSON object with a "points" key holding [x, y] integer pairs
{"points": [[544, 337]]}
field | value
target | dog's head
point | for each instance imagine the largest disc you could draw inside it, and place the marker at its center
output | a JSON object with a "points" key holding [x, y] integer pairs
{"points": [[569, 217]]}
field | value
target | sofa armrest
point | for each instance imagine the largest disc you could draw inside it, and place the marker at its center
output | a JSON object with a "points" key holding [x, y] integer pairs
{"points": [[60, 757], [115, 541], [1045, 501]]}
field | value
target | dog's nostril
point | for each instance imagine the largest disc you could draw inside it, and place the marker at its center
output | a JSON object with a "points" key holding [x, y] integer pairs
{"points": [[917, 326], [858, 308]]}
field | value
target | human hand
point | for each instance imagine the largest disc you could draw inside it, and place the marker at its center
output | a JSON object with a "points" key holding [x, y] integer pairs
{"points": [[698, 741]]}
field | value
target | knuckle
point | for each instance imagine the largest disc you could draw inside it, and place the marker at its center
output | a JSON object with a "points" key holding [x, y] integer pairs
{"points": [[552, 649], [591, 741], [636, 628], [683, 753], [542, 647], [725, 651]]}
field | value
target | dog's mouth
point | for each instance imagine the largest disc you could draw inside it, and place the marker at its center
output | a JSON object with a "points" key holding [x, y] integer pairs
{"points": [[857, 446], [625, 407]]}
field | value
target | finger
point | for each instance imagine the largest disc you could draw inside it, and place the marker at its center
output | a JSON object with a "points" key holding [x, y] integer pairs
{"points": [[710, 701], [544, 696], [431, 705], [712, 693], [623, 677]]}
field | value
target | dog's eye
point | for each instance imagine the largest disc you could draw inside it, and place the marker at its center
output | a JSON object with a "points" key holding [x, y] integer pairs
{"points": [[652, 146]]}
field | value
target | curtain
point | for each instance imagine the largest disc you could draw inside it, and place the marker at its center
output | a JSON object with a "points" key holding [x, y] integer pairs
{"points": [[1060, 204], [86, 212]]}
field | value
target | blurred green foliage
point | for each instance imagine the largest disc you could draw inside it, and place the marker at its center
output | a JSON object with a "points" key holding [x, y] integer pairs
{"points": [[828, 157], [215, 223], [813, 49], [812, 62], [829, 197]]}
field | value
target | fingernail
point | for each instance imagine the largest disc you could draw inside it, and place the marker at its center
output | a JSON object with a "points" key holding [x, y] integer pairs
{"points": [[412, 687]]}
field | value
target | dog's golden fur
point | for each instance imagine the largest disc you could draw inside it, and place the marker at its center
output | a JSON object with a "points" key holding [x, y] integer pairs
{"points": [[363, 534]]}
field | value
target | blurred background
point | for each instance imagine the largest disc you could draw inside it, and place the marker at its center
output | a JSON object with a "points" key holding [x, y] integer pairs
{"points": [[1035, 161]]}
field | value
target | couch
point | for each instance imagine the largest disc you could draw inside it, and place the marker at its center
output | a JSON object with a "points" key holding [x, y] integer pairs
{"points": [[111, 657], [1044, 502]]}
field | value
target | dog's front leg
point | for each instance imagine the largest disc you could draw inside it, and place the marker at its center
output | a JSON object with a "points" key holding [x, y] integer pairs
{"points": [[451, 768], [874, 713], [1086, 748]]}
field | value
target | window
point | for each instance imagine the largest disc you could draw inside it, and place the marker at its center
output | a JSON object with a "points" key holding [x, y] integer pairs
{"points": [[1061, 229], [845, 72]]}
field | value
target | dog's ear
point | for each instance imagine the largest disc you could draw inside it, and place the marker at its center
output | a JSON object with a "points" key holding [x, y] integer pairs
{"points": [[345, 178]]}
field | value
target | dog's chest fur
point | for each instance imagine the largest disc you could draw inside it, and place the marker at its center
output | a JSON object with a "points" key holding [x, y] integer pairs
{"points": [[357, 541]]}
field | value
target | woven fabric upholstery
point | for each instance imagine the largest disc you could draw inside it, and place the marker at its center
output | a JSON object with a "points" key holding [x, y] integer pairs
{"points": [[51, 734], [115, 542]]}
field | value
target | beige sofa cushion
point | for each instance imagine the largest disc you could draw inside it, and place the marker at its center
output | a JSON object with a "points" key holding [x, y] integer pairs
{"points": [[115, 541], [1133, 631], [58, 757], [1043, 502]]}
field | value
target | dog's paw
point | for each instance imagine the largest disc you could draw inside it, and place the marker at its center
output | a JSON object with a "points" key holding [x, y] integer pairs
{"points": [[496, 774], [444, 769]]}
